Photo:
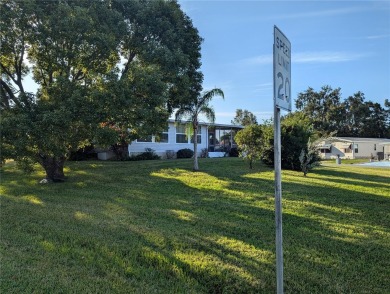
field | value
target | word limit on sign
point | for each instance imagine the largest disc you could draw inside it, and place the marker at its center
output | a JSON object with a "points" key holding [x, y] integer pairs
{"points": [[282, 70]]}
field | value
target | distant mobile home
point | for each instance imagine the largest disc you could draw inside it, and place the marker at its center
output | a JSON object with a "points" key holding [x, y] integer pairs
{"points": [[351, 148], [217, 139]]}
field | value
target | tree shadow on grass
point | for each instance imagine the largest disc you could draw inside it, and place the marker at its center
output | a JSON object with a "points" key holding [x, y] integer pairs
{"points": [[367, 199], [317, 236], [361, 233], [182, 238]]}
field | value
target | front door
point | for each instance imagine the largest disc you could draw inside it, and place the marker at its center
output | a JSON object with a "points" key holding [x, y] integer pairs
{"points": [[211, 141]]}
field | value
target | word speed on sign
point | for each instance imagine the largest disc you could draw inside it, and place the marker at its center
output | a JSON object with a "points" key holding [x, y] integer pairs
{"points": [[282, 70]]}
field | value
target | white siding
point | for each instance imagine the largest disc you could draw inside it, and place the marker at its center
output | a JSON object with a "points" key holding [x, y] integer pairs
{"points": [[161, 148], [386, 149], [366, 148]]}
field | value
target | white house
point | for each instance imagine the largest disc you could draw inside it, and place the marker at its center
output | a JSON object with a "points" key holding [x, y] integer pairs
{"points": [[350, 147], [386, 150], [217, 139]]}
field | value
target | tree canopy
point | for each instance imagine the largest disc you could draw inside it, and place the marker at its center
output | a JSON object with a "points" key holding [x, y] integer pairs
{"points": [[250, 141], [244, 118], [351, 117], [106, 71]]}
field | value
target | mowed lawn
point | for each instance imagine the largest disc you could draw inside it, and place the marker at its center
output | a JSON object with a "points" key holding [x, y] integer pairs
{"points": [[158, 227]]}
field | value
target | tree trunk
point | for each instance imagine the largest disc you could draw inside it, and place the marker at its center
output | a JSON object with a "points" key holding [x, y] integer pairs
{"points": [[54, 167], [195, 126]]}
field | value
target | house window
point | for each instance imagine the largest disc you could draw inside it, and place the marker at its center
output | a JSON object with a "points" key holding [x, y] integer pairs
{"points": [[326, 148], [163, 137], [146, 139], [356, 146], [181, 136], [199, 141]]}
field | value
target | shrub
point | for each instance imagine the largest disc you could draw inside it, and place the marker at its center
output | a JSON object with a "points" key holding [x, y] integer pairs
{"points": [[257, 142], [185, 153], [149, 154], [121, 151], [309, 159], [204, 153], [233, 152], [170, 154], [295, 134]]}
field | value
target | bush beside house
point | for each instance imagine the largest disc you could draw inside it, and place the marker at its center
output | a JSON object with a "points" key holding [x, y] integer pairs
{"points": [[185, 153]]}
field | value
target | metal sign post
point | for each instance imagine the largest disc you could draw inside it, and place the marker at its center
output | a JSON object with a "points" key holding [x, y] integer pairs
{"points": [[278, 202], [282, 99]]}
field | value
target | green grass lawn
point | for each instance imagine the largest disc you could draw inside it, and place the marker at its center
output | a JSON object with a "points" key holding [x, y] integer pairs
{"points": [[158, 227]]}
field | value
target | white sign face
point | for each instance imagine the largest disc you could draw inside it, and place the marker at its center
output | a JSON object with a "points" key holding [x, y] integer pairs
{"points": [[282, 70]]}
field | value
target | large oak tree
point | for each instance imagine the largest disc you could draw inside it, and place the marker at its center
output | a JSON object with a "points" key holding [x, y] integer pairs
{"points": [[107, 71]]}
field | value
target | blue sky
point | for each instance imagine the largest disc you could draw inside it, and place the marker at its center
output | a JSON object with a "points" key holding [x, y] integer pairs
{"points": [[343, 44]]}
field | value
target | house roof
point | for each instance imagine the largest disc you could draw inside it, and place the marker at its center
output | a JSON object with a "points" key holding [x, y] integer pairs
{"points": [[213, 124], [324, 146], [357, 140]]}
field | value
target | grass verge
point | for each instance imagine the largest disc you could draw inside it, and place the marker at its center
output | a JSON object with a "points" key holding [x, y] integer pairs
{"points": [[158, 227]]}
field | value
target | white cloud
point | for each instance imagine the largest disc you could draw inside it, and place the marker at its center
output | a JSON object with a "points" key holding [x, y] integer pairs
{"points": [[378, 36], [306, 57], [325, 57], [322, 13]]}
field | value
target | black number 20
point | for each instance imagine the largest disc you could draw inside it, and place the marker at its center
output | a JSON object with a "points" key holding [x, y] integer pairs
{"points": [[286, 84]]}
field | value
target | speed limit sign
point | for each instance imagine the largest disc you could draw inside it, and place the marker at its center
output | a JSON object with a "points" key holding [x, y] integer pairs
{"points": [[282, 70]]}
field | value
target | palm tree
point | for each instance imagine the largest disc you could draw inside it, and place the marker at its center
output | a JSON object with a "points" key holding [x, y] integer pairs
{"points": [[192, 110]]}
